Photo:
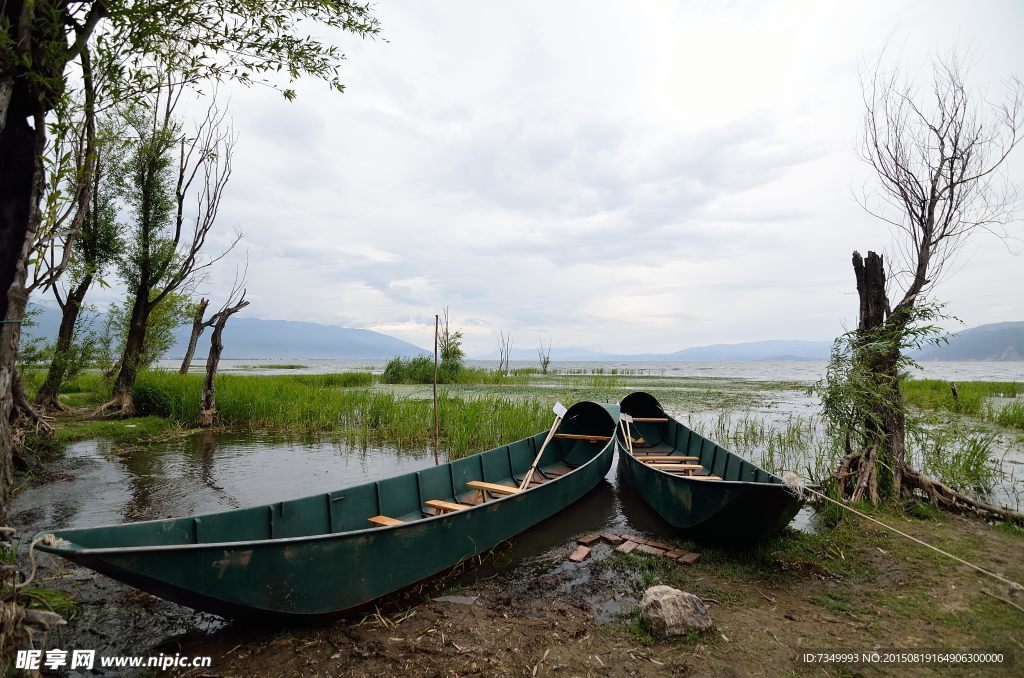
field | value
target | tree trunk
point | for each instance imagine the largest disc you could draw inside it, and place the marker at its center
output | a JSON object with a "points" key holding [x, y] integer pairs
{"points": [[133, 346], [208, 411], [18, 144], [885, 424], [47, 398], [197, 330]]}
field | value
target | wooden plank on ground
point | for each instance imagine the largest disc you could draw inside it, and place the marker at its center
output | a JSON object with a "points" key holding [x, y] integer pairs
{"points": [[658, 545], [647, 548], [580, 554]]}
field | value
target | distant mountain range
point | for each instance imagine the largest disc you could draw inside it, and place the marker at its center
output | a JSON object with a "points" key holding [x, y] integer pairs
{"points": [[253, 338], [996, 341], [754, 350]]}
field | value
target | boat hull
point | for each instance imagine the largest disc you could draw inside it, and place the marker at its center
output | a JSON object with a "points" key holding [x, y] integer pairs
{"points": [[712, 511], [747, 504], [325, 574]]}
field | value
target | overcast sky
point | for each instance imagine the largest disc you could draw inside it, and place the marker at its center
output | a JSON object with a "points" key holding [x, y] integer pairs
{"points": [[626, 177]]}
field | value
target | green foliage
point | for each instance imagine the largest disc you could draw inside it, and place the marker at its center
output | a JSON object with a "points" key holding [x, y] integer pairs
{"points": [[224, 40], [450, 347], [174, 310], [33, 352], [420, 370], [146, 182], [861, 388], [961, 459], [318, 403], [936, 394], [1011, 416], [83, 349], [415, 370]]}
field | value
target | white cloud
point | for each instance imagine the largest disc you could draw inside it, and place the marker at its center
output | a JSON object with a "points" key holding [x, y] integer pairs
{"points": [[624, 177]]}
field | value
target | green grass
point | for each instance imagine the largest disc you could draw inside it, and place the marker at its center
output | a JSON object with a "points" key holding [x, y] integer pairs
{"points": [[935, 394], [420, 370], [274, 366], [326, 403], [1010, 416], [118, 430]]}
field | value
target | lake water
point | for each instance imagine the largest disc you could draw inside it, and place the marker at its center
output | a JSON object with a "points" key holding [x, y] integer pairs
{"points": [[768, 370]]}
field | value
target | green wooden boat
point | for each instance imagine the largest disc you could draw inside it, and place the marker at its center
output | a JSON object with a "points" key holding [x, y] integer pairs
{"points": [[697, 486], [332, 552]]}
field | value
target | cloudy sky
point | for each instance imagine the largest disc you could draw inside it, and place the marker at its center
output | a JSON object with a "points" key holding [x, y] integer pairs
{"points": [[626, 177]]}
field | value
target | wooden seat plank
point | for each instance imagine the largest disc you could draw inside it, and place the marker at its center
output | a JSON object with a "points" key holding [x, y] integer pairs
{"points": [[677, 467], [652, 458], [706, 477], [384, 521], [492, 487], [444, 506], [656, 420], [578, 436]]}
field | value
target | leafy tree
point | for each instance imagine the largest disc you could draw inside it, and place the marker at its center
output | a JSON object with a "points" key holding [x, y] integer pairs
{"points": [[450, 343], [939, 161], [47, 48], [96, 247]]}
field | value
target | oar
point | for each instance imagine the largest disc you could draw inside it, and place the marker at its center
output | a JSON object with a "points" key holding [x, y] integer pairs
{"points": [[560, 411], [624, 422]]}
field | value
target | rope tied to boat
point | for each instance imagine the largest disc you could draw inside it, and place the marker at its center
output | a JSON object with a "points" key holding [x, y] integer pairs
{"points": [[799, 488], [47, 539]]}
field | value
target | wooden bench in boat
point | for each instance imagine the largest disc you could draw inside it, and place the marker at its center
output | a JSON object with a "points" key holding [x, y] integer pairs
{"points": [[491, 487], [383, 521], [579, 436], [706, 477], [444, 506], [678, 468], [656, 420], [655, 458]]}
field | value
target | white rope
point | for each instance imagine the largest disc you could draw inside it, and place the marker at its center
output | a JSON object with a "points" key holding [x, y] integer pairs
{"points": [[793, 482]]}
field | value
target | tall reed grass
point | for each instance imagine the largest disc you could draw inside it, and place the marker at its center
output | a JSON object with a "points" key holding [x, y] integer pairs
{"points": [[935, 394], [326, 404]]}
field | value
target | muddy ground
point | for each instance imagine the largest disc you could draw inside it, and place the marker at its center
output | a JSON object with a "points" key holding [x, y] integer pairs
{"points": [[855, 587]]}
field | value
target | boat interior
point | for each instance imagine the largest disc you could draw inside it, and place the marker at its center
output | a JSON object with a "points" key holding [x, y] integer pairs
{"points": [[490, 476], [665, 444]]}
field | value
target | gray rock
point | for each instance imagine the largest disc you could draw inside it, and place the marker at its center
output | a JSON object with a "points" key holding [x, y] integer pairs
{"points": [[671, 612]]}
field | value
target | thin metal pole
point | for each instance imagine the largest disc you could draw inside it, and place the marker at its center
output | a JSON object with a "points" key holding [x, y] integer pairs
{"points": [[437, 432]]}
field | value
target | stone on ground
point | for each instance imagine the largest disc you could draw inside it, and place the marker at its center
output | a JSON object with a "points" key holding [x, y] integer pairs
{"points": [[671, 612]]}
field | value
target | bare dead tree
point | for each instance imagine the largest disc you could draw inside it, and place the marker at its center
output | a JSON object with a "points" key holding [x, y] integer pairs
{"points": [[544, 355], [161, 264], [235, 303], [504, 352], [939, 161], [198, 325]]}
